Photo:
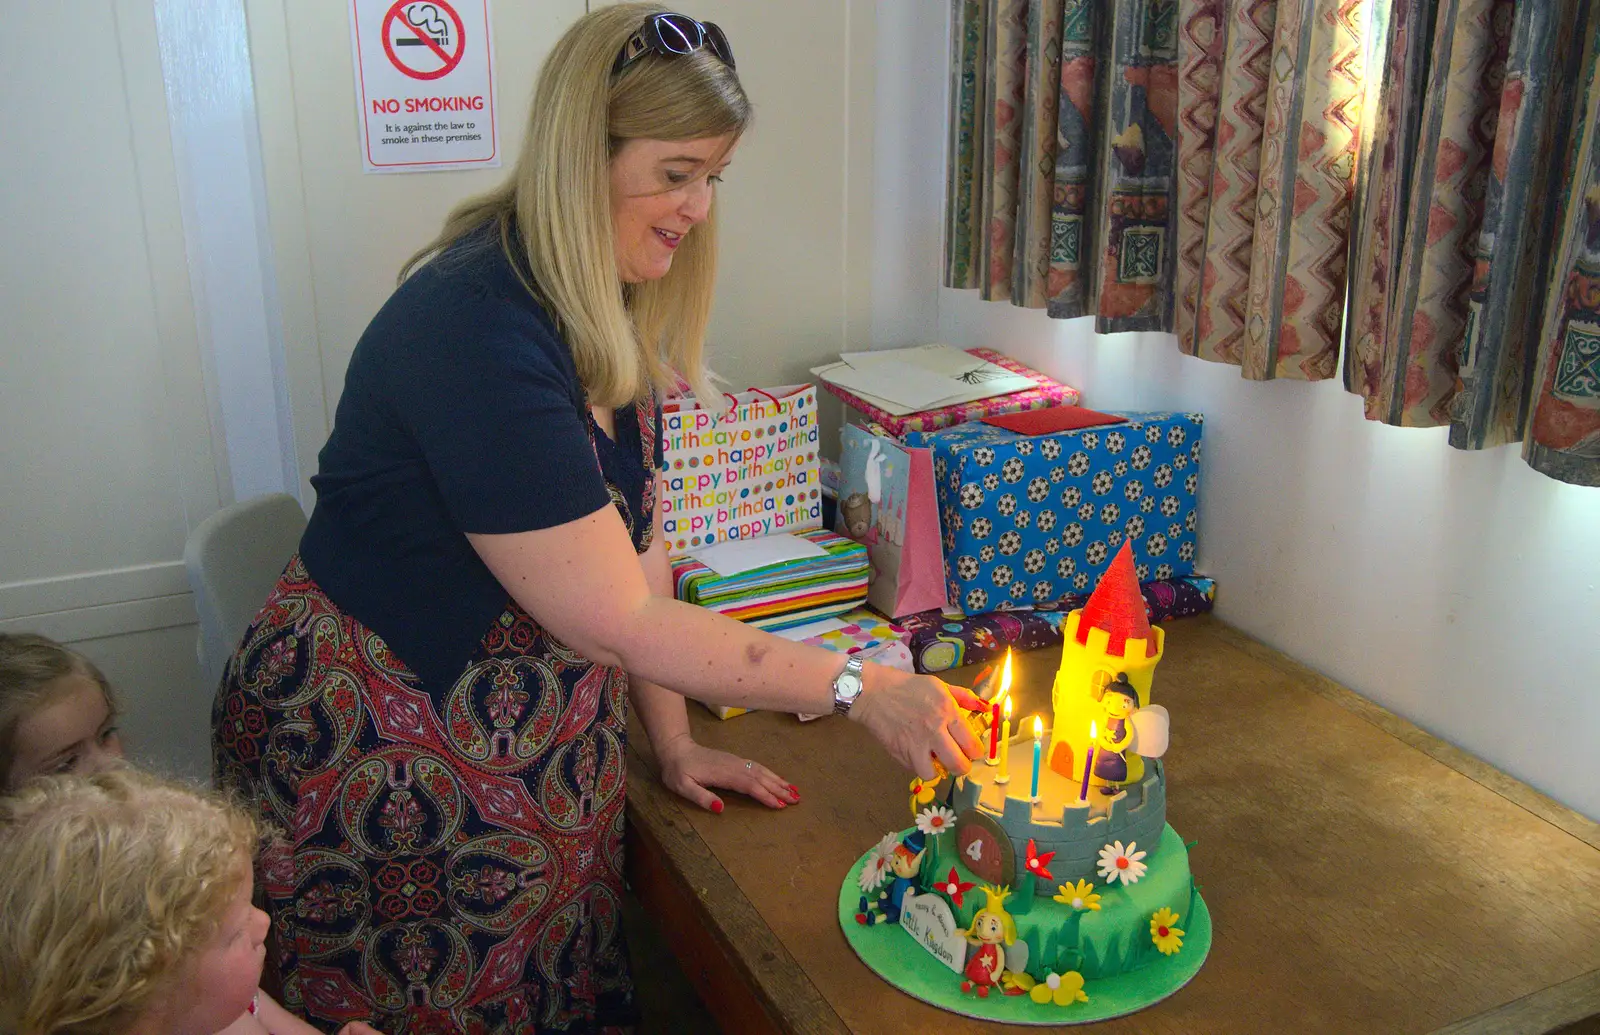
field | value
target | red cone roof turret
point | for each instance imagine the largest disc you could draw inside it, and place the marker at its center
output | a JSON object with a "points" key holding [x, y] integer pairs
{"points": [[1117, 606]]}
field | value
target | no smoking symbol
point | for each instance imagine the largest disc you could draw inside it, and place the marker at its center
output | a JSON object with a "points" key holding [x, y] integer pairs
{"points": [[425, 40]]}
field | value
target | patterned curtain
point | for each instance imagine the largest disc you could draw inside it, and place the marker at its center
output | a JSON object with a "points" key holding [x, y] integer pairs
{"points": [[1214, 167], [1063, 149], [1161, 166], [1475, 306]]}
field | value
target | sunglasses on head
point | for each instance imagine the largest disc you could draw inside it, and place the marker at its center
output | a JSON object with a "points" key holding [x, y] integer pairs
{"points": [[673, 35]]}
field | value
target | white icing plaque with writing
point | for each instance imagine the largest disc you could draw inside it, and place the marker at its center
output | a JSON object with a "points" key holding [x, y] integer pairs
{"points": [[927, 918]]}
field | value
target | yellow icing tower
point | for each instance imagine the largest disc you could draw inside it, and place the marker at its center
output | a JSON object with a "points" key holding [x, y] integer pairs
{"points": [[1110, 635]]}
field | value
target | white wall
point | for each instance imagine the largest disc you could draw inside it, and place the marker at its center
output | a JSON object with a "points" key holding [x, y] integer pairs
{"points": [[796, 242], [109, 457], [1456, 589]]}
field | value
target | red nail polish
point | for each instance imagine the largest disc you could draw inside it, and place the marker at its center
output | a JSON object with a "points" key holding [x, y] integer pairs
{"points": [[794, 790], [716, 807]]}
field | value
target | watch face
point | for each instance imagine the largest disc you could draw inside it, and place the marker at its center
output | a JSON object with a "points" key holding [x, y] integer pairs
{"points": [[847, 686]]}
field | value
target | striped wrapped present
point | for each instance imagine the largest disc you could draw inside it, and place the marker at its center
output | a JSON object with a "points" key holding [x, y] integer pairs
{"points": [[783, 595]]}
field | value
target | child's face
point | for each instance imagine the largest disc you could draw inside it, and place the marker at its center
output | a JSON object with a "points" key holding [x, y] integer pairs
{"points": [[224, 977], [72, 733]]}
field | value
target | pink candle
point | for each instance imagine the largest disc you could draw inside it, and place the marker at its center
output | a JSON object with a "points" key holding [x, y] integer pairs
{"points": [[1005, 744], [1088, 765]]}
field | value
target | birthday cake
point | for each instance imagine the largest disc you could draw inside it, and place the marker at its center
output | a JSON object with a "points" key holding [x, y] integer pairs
{"points": [[1045, 886]]}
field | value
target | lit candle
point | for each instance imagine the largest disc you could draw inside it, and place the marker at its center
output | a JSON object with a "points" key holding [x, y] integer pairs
{"points": [[994, 718], [1038, 752], [1005, 744], [1088, 765]]}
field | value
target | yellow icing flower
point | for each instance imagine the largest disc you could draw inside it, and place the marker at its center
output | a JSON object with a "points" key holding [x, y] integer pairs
{"points": [[1165, 932], [1061, 989], [1079, 896], [922, 791], [1021, 981]]}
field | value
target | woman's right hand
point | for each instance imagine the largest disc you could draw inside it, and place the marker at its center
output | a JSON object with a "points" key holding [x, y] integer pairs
{"points": [[918, 719]]}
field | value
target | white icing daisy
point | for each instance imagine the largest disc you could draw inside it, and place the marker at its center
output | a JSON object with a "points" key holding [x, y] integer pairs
{"points": [[935, 820], [877, 865], [1121, 864]]}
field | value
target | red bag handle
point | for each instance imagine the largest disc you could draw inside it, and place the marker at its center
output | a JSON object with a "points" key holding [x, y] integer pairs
{"points": [[733, 402]]}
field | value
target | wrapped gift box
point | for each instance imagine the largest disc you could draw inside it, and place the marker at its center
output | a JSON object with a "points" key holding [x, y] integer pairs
{"points": [[863, 629], [940, 641], [779, 596], [1031, 519], [1047, 394], [869, 634]]}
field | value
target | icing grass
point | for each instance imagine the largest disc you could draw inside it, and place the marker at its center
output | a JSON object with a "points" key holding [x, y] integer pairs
{"points": [[1112, 939], [891, 954]]}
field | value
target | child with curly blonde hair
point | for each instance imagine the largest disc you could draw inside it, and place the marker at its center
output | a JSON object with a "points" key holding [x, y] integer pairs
{"points": [[57, 712], [125, 910]]}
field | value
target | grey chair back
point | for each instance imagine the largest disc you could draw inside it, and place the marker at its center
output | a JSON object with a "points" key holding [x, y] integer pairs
{"points": [[233, 559]]}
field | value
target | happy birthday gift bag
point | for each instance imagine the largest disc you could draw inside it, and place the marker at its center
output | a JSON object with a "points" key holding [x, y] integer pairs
{"points": [[740, 467]]}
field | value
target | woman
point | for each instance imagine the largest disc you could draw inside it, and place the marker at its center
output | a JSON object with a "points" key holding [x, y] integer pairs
{"points": [[432, 703]]}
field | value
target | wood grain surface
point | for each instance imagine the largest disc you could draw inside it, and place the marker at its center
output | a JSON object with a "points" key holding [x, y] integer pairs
{"points": [[1361, 875]]}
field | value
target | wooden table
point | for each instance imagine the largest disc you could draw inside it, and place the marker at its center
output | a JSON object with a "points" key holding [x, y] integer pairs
{"points": [[1362, 876]]}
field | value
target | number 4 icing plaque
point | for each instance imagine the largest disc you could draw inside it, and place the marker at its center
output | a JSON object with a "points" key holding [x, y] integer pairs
{"points": [[985, 848]]}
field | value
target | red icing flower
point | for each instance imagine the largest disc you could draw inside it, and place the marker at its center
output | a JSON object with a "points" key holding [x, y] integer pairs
{"points": [[954, 886], [1039, 865]]}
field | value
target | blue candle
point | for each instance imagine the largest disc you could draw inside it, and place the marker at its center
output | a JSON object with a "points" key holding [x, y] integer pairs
{"points": [[1038, 752]]}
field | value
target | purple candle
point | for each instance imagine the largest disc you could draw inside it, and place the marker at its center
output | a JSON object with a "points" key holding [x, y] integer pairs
{"points": [[1088, 765]]}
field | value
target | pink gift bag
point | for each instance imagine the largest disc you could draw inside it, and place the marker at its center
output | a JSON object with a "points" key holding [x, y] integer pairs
{"points": [[887, 502]]}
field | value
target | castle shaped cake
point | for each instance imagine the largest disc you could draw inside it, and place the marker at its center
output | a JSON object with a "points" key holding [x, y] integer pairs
{"points": [[1045, 886]]}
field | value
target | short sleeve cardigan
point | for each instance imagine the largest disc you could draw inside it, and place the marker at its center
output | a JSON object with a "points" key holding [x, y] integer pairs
{"points": [[461, 412]]}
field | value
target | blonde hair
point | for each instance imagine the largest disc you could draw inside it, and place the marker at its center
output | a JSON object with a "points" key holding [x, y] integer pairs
{"points": [[108, 884], [30, 667], [994, 900], [626, 341]]}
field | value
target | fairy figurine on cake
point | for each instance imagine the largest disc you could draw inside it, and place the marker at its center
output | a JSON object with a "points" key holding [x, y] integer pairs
{"points": [[1118, 703], [991, 931]]}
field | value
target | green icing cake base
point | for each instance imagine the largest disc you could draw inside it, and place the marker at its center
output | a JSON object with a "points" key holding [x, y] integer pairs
{"points": [[1120, 926]]}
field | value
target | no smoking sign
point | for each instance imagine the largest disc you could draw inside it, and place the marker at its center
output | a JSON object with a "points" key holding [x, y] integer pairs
{"points": [[424, 40], [424, 84]]}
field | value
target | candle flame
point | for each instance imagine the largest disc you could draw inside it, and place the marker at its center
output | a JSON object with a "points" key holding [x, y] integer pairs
{"points": [[1007, 709], [1038, 727], [1005, 675], [1093, 731]]}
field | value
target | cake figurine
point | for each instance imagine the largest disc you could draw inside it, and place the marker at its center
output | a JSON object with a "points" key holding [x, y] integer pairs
{"points": [[991, 930], [902, 866], [1118, 703], [1083, 882]]}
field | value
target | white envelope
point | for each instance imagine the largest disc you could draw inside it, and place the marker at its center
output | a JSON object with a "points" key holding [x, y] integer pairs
{"points": [[926, 377]]}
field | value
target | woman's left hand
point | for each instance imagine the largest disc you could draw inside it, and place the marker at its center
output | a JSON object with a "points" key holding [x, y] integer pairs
{"points": [[692, 769]]}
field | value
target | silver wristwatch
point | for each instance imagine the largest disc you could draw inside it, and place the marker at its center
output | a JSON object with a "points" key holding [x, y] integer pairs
{"points": [[847, 687]]}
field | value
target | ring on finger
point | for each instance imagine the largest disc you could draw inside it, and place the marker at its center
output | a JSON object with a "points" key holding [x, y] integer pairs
{"points": [[749, 764]]}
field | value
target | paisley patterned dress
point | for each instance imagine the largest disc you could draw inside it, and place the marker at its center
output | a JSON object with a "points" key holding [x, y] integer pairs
{"points": [[451, 859]]}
